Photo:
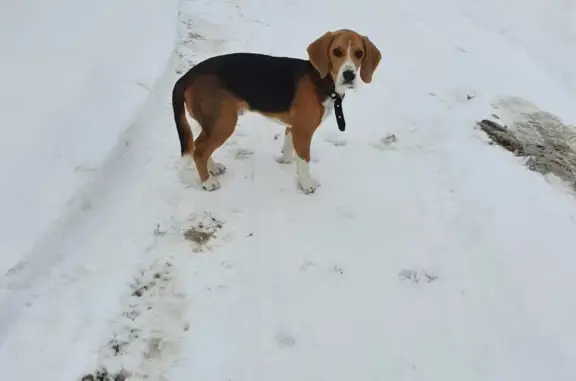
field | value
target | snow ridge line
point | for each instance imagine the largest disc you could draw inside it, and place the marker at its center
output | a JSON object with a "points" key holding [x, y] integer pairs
{"points": [[35, 267], [27, 271]]}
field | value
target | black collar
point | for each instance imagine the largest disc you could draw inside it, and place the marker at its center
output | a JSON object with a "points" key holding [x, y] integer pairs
{"points": [[337, 98], [326, 88]]}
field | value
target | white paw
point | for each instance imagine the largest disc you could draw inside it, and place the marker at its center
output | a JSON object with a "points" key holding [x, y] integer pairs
{"points": [[211, 184], [284, 159], [215, 168], [308, 185]]}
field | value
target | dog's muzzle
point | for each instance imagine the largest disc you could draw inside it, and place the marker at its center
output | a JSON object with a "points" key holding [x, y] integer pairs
{"points": [[348, 77]]}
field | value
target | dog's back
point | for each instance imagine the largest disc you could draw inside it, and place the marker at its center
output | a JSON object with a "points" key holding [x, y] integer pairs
{"points": [[266, 83]]}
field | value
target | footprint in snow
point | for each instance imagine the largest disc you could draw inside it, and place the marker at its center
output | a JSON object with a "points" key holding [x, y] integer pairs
{"points": [[338, 270], [306, 265], [285, 339], [335, 141], [417, 276], [346, 213], [386, 142], [242, 154], [332, 270]]}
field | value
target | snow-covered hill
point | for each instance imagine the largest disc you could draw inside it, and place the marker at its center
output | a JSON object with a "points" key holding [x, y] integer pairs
{"points": [[432, 256]]}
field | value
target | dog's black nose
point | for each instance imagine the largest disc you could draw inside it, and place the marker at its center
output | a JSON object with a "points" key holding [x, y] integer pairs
{"points": [[348, 75]]}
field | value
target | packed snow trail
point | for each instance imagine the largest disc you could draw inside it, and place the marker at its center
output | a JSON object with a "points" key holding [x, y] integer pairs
{"points": [[433, 257]]}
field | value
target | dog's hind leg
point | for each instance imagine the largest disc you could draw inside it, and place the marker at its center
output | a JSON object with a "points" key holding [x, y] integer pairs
{"points": [[216, 130]]}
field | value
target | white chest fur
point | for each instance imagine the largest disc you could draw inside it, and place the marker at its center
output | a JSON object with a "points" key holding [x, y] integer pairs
{"points": [[328, 108]]}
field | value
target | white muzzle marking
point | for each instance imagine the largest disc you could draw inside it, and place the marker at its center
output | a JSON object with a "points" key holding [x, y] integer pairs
{"points": [[341, 84]]}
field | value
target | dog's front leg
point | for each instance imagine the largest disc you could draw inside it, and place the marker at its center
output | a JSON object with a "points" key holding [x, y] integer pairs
{"points": [[302, 139], [287, 148]]}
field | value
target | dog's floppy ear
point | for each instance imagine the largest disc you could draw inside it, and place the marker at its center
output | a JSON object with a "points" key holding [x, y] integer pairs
{"points": [[318, 53], [372, 57]]}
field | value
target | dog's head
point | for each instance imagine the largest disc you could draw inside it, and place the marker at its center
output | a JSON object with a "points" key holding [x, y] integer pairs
{"points": [[342, 54]]}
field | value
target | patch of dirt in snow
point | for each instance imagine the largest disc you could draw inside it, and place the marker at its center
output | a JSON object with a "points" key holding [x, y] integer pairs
{"points": [[103, 375], [202, 230], [146, 337], [548, 144]]}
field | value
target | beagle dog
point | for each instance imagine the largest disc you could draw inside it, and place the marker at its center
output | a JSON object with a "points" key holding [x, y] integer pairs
{"points": [[298, 93]]}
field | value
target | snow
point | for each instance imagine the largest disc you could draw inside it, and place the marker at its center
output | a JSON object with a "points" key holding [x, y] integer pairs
{"points": [[74, 75], [433, 257]]}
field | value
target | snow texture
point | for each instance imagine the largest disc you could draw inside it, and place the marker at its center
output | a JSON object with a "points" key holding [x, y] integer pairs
{"points": [[74, 75], [425, 254]]}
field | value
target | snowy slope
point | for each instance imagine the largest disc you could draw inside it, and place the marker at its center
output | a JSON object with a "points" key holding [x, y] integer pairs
{"points": [[73, 75], [434, 257]]}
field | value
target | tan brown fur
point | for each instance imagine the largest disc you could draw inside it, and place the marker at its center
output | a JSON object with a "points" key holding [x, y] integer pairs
{"points": [[323, 57], [216, 110], [305, 117]]}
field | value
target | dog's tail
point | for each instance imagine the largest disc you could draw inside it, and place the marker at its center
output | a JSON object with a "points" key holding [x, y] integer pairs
{"points": [[182, 125]]}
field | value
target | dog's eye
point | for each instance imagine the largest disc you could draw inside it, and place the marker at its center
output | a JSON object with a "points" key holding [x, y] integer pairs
{"points": [[359, 54], [337, 52]]}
